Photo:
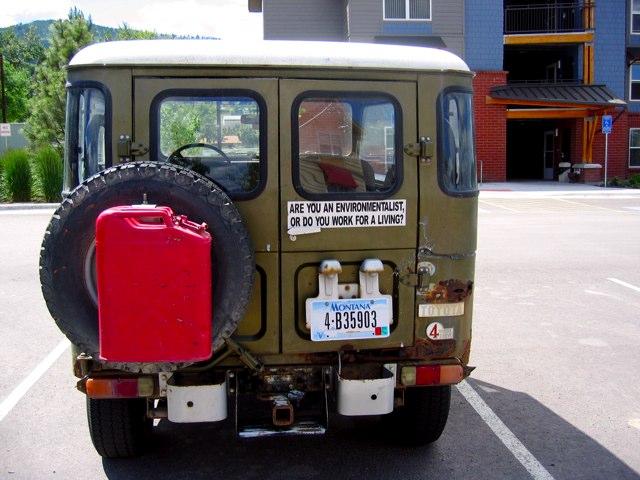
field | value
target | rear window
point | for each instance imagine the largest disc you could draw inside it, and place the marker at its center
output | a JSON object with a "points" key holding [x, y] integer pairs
{"points": [[86, 131], [456, 155], [346, 145], [217, 134]]}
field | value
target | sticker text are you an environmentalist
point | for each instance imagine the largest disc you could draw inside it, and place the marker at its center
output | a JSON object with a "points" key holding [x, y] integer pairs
{"points": [[347, 214]]}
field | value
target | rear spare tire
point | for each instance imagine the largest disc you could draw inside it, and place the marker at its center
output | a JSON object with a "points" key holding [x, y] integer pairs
{"points": [[67, 259]]}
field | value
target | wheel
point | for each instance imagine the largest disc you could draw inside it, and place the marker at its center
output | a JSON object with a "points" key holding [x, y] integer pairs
{"points": [[67, 260], [119, 428], [422, 418], [194, 163]]}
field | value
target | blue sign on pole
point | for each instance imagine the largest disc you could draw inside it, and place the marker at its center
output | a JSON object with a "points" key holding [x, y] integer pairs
{"points": [[607, 122]]}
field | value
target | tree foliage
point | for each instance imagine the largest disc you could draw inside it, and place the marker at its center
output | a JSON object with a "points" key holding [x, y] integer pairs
{"points": [[24, 52], [35, 75], [45, 124], [20, 57], [17, 93], [125, 32]]}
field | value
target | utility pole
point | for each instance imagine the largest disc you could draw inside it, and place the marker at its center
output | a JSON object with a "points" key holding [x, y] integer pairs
{"points": [[4, 97]]}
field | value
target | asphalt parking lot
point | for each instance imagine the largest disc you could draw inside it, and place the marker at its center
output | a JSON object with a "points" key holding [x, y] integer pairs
{"points": [[554, 395]]}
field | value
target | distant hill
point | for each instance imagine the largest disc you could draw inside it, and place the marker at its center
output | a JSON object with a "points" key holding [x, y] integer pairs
{"points": [[100, 33], [43, 31], [41, 28]]}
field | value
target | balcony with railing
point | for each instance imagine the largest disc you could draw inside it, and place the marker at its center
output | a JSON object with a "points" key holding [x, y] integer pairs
{"points": [[555, 18]]}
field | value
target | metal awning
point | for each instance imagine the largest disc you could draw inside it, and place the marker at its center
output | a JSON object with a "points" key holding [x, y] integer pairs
{"points": [[574, 95], [557, 101]]}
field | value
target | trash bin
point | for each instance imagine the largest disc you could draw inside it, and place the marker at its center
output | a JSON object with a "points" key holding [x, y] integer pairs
{"points": [[565, 170]]}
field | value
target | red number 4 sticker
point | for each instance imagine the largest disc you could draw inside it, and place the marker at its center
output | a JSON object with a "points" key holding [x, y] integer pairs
{"points": [[436, 331]]}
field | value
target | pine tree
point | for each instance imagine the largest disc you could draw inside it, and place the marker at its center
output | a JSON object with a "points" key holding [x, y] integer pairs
{"points": [[45, 124]]}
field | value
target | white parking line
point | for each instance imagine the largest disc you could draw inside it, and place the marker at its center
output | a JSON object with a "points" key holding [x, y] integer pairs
{"points": [[14, 397], [506, 436], [624, 284]]}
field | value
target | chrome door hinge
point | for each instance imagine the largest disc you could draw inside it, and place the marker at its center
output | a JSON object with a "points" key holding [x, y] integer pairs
{"points": [[423, 149], [127, 149]]}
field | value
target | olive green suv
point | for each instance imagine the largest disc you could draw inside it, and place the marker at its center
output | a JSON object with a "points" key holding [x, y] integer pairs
{"points": [[276, 233]]}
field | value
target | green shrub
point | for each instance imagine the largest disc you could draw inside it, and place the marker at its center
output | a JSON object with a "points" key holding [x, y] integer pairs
{"points": [[16, 176], [615, 182], [48, 169], [634, 181]]}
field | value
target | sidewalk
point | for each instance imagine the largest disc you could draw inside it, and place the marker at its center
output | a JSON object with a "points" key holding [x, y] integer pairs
{"points": [[514, 189], [540, 188]]}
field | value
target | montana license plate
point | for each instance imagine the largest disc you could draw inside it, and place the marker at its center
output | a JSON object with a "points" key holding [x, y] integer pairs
{"points": [[349, 319]]}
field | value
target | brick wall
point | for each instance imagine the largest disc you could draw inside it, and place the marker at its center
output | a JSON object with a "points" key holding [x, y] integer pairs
{"points": [[576, 141], [618, 148], [491, 128], [633, 121], [618, 151]]}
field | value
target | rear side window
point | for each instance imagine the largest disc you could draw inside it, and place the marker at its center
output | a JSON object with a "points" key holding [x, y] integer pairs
{"points": [[85, 134], [217, 134], [456, 155], [346, 145]]}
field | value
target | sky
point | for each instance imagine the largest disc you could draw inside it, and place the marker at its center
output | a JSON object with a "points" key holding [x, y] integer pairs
{"points": [[228, 19]]}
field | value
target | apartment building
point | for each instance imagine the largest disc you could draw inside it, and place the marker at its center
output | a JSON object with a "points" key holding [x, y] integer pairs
{"points": [[546, 72]]}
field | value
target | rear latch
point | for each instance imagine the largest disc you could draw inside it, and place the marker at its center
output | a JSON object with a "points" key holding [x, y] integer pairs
{"points": [[422, 278]]}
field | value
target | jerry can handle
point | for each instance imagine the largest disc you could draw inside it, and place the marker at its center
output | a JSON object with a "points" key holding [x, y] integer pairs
{"points": [[136, 214]]}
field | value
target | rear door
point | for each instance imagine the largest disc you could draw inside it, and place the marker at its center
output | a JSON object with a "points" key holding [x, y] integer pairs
{"points": [[237, 121], [347, 193]]}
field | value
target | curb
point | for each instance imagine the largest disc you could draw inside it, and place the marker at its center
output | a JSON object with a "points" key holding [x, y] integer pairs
{"points": [[28, 206], [525, 190]]}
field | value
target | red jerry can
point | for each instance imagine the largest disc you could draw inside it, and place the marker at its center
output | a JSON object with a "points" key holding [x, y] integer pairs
{"points": [[154, 286]]}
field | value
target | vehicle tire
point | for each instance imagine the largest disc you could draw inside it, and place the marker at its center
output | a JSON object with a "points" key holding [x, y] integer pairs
{"points": [[67, 259], [119, 427], [422, 418]]}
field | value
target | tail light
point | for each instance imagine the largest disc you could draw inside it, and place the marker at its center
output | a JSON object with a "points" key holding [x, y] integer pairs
{"points": [[119, 387], [431, 375]]}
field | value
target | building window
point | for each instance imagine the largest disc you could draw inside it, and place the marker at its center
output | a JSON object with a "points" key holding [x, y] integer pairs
{"points": [[635, 16], [411, 9], [634, 147], [634, 77]]}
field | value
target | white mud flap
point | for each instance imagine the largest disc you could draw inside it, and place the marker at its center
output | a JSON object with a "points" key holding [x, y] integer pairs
{"points": [[367, 396], [197, 403]]}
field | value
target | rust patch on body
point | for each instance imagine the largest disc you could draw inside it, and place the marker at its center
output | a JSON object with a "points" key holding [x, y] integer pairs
{"points": [[448, 291], [426, 348], [466, 352]]}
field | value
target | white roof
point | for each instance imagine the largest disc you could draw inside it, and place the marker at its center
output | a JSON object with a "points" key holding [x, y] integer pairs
{"points": [[267, 53]]}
